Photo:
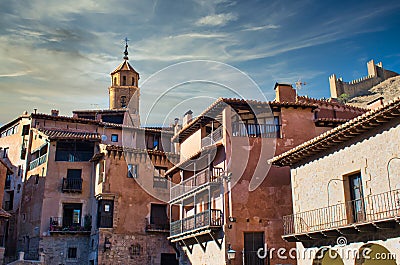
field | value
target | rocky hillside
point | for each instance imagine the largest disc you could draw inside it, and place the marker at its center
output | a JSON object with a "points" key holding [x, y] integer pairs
{"points": [[388, 89]]}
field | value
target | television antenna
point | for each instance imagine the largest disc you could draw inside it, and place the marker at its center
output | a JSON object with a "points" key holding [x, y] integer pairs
{"points": [[299, 85]]}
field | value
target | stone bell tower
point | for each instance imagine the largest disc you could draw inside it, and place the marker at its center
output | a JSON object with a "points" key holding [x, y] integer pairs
{"points": [[124, 90]]}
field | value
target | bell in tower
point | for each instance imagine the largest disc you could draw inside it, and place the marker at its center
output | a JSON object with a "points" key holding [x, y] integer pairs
{"points": [[124, 91]]}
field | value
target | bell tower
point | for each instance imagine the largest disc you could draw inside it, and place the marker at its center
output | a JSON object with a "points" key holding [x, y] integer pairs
{"points": [[124, 91]]}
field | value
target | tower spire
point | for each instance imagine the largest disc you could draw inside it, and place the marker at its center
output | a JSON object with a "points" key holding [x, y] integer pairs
{"points": [[126, 49]]}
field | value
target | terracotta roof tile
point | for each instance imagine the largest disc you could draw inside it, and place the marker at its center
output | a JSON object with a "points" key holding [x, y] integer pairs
{"points": [[62, 134]]}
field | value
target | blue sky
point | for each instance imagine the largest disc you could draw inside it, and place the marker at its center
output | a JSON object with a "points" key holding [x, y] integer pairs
{"points": [[58, 54]]}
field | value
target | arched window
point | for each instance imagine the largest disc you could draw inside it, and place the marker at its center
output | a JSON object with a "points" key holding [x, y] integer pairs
{"points": [[124, 80], [133, 81], [123, 101], [115, 81]]}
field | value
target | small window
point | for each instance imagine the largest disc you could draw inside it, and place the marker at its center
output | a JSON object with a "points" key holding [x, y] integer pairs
{"points": [[114, 138], [123, 101], [5, 152], [135, 249], [36, 179], [72, 253], [124, 80], [132, 171], [133, 81], [115, 81]]}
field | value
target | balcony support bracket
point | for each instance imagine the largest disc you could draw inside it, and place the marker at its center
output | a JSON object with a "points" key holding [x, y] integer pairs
{"points": [[218, 242]]}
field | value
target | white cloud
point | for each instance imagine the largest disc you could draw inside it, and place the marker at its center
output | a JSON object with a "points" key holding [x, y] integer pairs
{"points": [[216, 19], [259, 28]]}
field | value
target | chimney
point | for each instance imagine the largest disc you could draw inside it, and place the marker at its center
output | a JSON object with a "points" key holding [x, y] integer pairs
{"points": [[187, 117], [54, 112], [284, 93]]}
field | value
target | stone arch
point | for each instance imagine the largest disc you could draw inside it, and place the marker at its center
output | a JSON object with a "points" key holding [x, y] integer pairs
{"points": [[326, 256], [374, 254]]}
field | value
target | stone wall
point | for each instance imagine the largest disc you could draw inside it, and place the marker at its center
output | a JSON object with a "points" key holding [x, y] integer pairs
{"points": [[55, 249]]}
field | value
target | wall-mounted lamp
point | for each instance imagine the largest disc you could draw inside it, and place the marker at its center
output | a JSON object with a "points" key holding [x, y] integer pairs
{"points": [[107, 244], [231, 253], [232, 219]]}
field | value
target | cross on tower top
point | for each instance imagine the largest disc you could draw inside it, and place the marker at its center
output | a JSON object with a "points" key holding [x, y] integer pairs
{"points": [[126, 49]]}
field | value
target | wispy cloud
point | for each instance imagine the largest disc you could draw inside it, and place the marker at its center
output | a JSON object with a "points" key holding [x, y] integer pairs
{"points": [[216, 19], [259, 28]]}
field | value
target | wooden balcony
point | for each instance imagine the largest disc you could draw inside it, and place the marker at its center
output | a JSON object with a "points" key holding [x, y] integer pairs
{"points": [[37, 162], [196, 182], [256, 130], [380, 211], [72, 185], [213, 137], [209, 219]]}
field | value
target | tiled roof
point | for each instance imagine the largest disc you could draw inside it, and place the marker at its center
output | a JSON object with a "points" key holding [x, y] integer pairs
{"points": [[221, 103], [329, 102], [101, 111], [118, 148], [340, 134], [61, 134], [124, 66], [4, 214]]}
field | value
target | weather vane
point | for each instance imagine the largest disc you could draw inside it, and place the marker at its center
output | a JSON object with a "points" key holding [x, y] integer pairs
{"points": [[126, 48]]}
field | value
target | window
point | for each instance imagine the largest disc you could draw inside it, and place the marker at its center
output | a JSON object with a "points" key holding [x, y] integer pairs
{"points": [[5, 152], [133, 81], [25, 129], [135, 249], [124, 80], [114, 138], [159, 180], [158, 217], [356, 197], [73, 182], [252, 242], [132, 171], [73, 151], [105, 212], [115, 81], [123, 101], [72, 214], [72, 253]]}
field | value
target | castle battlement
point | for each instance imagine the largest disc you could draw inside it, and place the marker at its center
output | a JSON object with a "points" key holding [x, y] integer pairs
{"points": [[360, 86]]}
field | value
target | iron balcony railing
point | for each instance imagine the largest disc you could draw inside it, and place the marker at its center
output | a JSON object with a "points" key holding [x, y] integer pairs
{"points": [[213, 137], [57, 224], [37, 162], [369, 209], [208, 218], [160, 182], [256, 130], [72, 185], [203, 177], [157, 224]]}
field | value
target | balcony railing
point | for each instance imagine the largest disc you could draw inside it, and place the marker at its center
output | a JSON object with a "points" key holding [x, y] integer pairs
{"points": [[72, 185], [367, 210], [157, 225], [201, 178], [213, 137], [160, 182], [57, 225], [256, 130], [208, 218], [37, 162]]}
